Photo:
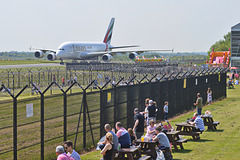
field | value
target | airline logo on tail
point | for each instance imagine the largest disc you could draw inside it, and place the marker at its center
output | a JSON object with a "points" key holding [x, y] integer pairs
{"points": [[108, 36]]}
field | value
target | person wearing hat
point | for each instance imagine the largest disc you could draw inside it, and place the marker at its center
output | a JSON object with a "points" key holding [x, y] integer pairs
{"points": [[151, 112], [138, 127], [198, 104], [60, 152]]}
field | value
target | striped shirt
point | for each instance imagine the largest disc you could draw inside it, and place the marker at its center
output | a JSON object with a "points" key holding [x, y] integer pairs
{"points": [[199, 123]]}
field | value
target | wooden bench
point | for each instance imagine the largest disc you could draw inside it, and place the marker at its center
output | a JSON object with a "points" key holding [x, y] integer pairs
{"points": [[144, 157], [208, 121], [215, 124]]}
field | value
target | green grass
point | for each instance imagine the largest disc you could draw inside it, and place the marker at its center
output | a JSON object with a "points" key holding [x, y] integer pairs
{"points": [[16, 62], [222, 144]]}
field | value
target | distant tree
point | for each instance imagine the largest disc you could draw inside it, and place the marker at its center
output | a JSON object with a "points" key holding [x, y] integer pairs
{"points": [[221, 45]]}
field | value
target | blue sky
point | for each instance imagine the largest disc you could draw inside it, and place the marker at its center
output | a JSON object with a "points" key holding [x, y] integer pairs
{"points": [[185, 25]]}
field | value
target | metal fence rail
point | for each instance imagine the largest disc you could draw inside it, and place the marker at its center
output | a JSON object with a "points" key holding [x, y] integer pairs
{"points": [[80, 116]]}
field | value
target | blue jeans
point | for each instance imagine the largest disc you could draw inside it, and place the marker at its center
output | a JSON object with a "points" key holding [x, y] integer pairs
{"points": [[199, 111], [166, 115]]}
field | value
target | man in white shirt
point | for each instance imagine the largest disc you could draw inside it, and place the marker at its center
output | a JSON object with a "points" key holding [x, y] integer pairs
{"points": [[71, 152], [199, 124]]}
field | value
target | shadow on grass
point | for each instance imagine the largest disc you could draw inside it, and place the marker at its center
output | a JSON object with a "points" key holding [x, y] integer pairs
{"points": [[218, 130], [182, 151], [200, 140]]}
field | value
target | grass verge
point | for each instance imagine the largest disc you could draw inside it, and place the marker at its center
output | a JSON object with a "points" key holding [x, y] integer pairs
{"points": [[222, 144]]}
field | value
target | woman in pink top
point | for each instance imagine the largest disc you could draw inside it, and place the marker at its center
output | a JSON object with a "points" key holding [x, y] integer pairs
{"points": [[150, 130]]}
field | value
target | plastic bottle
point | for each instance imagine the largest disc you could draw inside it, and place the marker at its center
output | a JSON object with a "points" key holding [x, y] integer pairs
{"points": [[119, 146]]}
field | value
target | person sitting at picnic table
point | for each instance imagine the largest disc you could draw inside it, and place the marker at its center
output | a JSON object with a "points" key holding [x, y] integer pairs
{"points": [[164, 143], [108, 129], [230, 84], [107, 151], [132, 136], [123, 136], [199, 124], [150, 130]]}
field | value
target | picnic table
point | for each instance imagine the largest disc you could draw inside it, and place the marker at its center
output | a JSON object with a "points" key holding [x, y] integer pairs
{"points": [[187, 129], [148, 147], [174, 138], [132, 153], [208, 121]]}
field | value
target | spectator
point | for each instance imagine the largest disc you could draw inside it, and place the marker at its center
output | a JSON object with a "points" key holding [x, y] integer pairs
{"points": [[132, 136], [150, 130], [108, 129], [165, 110], [230, 84], [138, 127], [61, 154], [63, 82], [209, 96], [198, 103], [54, 78], [107, 151], [146, 110], [237, 81], [199, 124], [123, 136], [151, 111], [164, 143], [71, 152]]}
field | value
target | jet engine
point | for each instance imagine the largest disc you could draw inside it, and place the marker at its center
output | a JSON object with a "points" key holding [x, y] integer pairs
{"points": [[39, 54], [132, 55], [51, 56], [106, 57]]}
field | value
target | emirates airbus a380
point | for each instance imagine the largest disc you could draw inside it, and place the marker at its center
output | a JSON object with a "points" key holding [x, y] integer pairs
{"points": [[86, 51]]}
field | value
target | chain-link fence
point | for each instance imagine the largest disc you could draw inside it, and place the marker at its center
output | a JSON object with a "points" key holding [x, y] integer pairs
{"points": [[32, 126]]}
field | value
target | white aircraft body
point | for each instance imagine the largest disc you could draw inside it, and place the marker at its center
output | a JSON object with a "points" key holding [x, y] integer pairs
{"points": [[86, 51]]}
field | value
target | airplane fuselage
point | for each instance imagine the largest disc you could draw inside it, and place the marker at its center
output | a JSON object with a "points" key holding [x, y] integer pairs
{"points": [[79, 51]]}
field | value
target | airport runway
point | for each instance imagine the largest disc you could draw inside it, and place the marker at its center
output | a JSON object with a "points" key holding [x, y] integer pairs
{"points": [[31, 65]]}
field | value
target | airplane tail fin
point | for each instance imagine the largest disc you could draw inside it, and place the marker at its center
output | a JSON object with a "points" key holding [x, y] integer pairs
{"points": [[108, 36]]}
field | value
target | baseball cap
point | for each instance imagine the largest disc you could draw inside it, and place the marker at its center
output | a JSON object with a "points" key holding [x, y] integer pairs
{"points": [[150, 101], [136, 110], [60, 149]]}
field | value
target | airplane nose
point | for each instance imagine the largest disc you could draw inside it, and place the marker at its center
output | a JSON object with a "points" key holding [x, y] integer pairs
{"points": [[59, 54]]}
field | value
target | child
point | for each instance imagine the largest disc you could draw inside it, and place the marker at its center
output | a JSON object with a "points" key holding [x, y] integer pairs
{"points": [[150, 130], [132, 135], [165, 110]]}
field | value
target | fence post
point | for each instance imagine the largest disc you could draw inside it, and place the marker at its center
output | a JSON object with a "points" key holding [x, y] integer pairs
{"points": [[65, 116], [42, 126], [15, 127], [84, 119]]}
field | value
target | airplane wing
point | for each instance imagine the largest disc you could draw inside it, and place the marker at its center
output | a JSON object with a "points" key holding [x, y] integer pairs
{"points": [[44, 50], [124, 52], [137, 51]]}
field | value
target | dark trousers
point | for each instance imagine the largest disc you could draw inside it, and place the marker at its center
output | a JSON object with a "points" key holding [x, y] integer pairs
{"points": [[166, 115], [139, 134]]}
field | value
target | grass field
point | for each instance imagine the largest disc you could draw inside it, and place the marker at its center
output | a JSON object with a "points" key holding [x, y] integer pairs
{"points": [[222, 144], [16, 62]]}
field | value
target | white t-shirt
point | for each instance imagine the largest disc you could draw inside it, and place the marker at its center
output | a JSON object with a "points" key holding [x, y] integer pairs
{"points": [[146, 110], [74, 155], [166, 108]]}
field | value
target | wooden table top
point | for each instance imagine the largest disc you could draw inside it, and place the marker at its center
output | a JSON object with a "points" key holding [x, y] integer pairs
{"points": [[128, 150], [145, 141], [172, 132], [185, 124]]}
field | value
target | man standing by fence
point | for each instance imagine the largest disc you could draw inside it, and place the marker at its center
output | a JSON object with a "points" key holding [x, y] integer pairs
{"points": [[139, 123], [198, 104]]}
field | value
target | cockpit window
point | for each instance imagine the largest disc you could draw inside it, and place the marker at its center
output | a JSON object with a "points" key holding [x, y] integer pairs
{"points": [[61, 49]]}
